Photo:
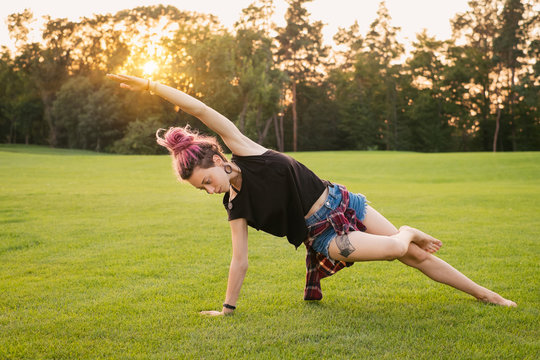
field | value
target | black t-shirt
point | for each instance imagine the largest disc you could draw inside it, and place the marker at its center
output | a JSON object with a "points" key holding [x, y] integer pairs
{"points": [[277, 192]]}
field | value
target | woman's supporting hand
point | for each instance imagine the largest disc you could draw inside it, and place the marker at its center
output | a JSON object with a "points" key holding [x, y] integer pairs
{"points": [[132, 83], [217, 313]]}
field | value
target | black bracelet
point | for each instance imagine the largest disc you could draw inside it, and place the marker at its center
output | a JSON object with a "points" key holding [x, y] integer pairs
{"points": [[227, 306]]}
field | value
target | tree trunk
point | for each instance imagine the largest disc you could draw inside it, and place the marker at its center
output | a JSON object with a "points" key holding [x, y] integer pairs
{"points": [[258, 121], [278, 143], [295, 118], [12, 136], [279, 131], [262, 135], [439, 122], [485, 117], [497, 122], [394, 110], [242, 120], [48, 119], [282, 132], [510, 110]]}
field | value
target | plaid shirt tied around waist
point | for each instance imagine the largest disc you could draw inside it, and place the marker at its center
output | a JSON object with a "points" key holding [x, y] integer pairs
{"points": [[343, 219]]}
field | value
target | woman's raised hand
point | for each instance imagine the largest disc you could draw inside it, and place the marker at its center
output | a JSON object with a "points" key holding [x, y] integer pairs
{"points": [[132, 83]]}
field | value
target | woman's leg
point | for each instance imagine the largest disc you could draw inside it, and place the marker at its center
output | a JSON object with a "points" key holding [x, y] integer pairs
{"points": [[439, 270], [363, 246], [430, 265]]}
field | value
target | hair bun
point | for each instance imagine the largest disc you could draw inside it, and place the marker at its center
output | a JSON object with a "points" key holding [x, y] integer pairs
{"points": [[176, 139], [189, 149]]}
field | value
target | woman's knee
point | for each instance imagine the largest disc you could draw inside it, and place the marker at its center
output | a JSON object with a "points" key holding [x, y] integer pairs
{"points": [[397, 248]]}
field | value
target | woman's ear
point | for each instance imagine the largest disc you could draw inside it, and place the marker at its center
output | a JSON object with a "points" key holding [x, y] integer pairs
{"points": [[218, 161]]}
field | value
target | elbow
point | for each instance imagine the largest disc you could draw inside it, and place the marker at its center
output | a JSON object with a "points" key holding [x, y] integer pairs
{"points": [[244, 266], [241, 264]]}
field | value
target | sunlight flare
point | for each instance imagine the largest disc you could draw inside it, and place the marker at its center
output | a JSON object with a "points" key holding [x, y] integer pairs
{"points": [[150, 68]]}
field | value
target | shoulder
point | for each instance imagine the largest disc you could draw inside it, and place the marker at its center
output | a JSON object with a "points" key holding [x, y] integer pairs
{"points": [[267, 157], [244, 146]]}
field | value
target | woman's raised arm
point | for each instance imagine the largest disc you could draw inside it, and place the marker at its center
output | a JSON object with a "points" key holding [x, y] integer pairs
{"points": [[237, 142]]}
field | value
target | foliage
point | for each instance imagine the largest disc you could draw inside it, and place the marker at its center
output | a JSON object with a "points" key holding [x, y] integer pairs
{"points": [[87, 116], [281, 86], [140, 138], [21, 115]]}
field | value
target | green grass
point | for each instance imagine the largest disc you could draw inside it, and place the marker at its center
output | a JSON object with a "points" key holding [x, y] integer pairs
{"points": [[105, 256]]}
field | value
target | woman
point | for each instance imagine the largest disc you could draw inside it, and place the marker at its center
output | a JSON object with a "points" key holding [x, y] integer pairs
{"points": [[273, 192]]}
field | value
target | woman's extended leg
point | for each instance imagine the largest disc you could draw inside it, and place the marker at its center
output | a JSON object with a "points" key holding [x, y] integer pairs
{"points": [[430, 265], [439, 270]]}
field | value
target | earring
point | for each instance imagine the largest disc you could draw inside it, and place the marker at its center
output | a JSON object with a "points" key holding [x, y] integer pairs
{"points": [[227, 168]]}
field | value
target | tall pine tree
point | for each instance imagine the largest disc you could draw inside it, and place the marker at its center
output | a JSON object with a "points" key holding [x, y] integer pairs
{"points": [[300, 52]]}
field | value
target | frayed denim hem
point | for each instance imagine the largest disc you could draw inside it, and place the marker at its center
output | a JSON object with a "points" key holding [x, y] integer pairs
{"points": [[357, 202]]}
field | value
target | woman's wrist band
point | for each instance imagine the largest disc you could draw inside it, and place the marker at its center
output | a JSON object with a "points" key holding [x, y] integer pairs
{"points": [[227, 306], [150, 86]]}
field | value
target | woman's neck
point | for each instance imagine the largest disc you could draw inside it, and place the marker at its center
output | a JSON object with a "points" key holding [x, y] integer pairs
{"points": [[236, 177]]}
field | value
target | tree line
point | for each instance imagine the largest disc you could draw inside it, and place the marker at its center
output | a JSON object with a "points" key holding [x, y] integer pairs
{"points": [[282, 86]]}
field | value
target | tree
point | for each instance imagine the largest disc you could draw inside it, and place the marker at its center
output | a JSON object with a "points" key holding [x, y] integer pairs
{"points": [[140, 138], [46, 65], [385, 50], [526, 111], [258, 81], [507, 48], [300, 51], [101, 44], [201, 62], [352, 42], [426, 114], [478, 26], [20, 106], [87, 115], [67, 107]]}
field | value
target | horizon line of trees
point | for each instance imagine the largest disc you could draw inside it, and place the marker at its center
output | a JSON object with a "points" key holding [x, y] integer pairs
{"points": [[478, 91]]}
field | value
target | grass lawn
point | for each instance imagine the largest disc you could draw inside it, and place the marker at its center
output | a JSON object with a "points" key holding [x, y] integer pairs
{"points": [[105, 256]]}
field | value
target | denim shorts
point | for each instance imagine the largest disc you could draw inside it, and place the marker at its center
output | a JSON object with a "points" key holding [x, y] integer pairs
{"points": [[357, 202]]}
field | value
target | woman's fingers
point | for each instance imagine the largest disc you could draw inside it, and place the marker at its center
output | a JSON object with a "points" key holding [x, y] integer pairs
{"points": [[115, 77], [211, 313], [132, 83], [124, 78]]}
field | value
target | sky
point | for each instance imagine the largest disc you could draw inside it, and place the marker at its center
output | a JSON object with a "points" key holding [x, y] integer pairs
{"points": [[411, 15]]}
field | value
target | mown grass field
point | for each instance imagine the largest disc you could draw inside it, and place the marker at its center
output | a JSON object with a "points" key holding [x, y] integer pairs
{"points": [[105, 256]]}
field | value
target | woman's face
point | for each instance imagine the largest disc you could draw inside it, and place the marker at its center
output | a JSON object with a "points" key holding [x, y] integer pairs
{"points": [[214, 180]]}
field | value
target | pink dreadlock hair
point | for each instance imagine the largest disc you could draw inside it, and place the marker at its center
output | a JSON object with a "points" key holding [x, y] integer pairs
{"points": [[189, 149]]}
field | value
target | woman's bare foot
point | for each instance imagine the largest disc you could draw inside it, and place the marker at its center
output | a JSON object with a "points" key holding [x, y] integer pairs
{"points": [[491, 297], [423, 240]]}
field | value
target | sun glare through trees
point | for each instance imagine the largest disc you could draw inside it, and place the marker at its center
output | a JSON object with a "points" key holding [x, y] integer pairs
{"points": [[150, 68]]}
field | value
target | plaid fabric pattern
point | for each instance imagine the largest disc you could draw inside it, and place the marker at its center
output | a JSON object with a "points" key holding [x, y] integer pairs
{"points": [[343, 219]]}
